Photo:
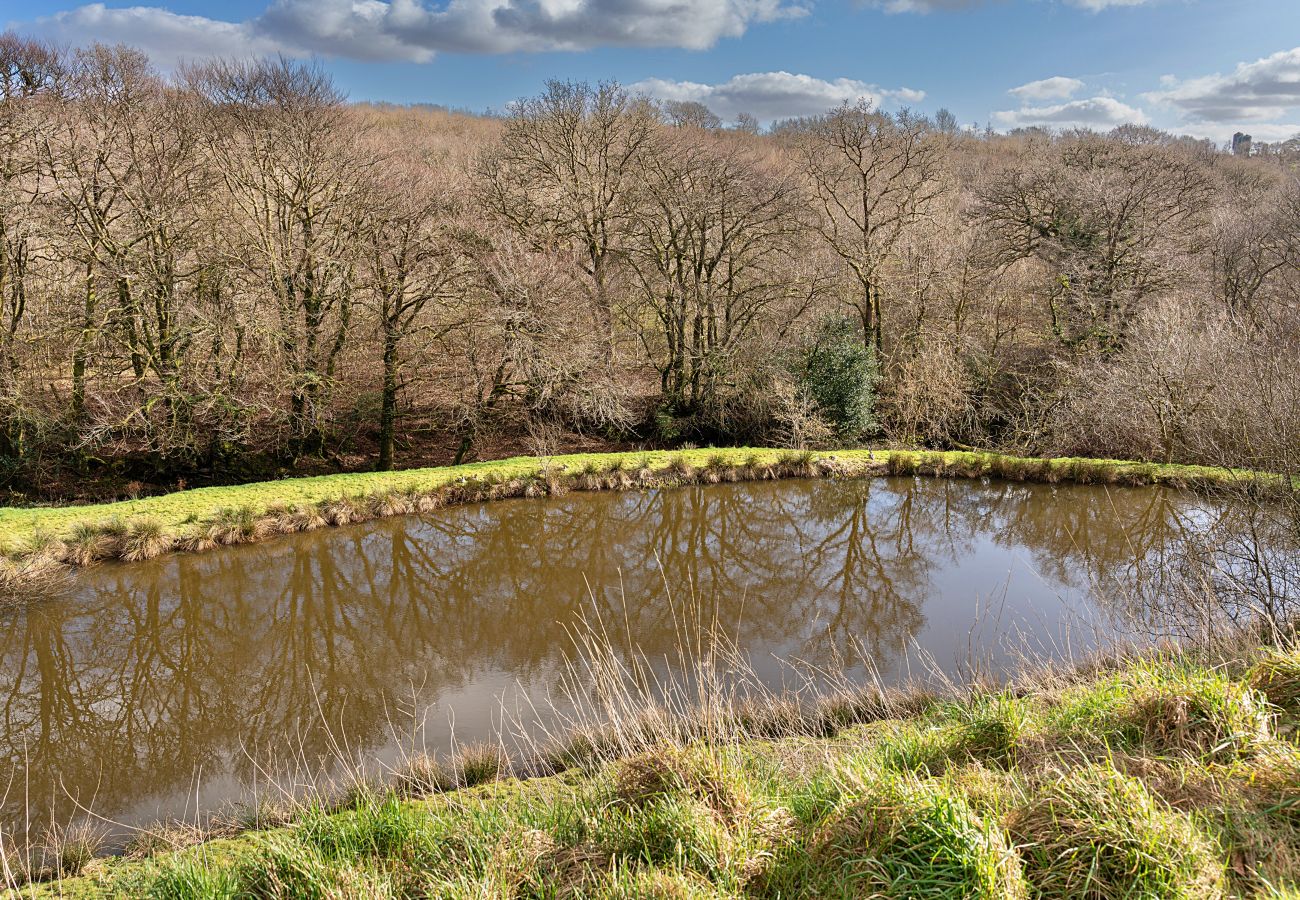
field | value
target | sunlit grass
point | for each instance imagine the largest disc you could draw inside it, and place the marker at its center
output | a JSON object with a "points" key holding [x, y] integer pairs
{"points": [[38, 542]]}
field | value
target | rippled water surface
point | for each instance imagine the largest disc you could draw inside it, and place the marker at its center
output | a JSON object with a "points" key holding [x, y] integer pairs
{"points": [[166, 688]]}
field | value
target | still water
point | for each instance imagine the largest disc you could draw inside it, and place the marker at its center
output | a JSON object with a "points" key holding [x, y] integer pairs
{"points": [[170, 688]]}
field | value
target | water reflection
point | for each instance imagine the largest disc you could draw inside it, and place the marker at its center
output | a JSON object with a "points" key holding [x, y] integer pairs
{"points": [[162, 687]]}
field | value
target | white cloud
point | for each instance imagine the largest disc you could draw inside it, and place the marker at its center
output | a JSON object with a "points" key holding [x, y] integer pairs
{"points": [[928, 6], [167, 36], [922, 6], [412, 30], [775, 95], [1265, 89], [1058, 87], [1221, 134], [1093, 112], [1099, 5]]}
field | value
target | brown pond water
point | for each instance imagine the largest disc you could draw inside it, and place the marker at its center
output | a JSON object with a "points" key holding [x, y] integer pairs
{"points": [[166, 689]]}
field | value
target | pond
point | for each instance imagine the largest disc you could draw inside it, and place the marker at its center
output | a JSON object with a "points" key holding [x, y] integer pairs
{"points": [[170, 688]]}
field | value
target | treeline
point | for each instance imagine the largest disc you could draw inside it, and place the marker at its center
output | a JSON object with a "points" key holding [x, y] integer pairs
{"points": [[230, 271]]}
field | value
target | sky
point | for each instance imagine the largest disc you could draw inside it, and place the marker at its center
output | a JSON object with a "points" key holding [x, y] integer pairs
{"points": [[1206, 68]]}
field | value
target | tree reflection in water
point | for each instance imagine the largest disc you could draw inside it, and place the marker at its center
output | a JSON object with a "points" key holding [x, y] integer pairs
{"points": [[196, 669]]}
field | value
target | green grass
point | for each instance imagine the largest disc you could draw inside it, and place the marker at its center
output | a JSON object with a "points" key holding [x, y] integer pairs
{"points": [[904, 836], [39, 539], [1061, 787], [175, 511], [1095, 831], [1168, 709]]}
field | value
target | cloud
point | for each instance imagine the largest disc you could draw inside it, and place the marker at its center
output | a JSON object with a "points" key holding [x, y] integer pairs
{"points": [[169, 37], [923, 6], [1099, 5], [414, 31], [1093, 112], [1058, 87], [928, 6], [1261, 132], [1265, 89], [775, 95]]}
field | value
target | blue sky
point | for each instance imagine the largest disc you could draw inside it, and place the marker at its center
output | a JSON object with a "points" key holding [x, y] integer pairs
{"points": [[1203, 67]]}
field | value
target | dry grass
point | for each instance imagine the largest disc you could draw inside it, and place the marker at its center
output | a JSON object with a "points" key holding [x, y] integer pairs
{"points": [[422, 775], [164, 838], [668, 771], [1277, 677], [479, 763], [67, 850], [145, 539]]}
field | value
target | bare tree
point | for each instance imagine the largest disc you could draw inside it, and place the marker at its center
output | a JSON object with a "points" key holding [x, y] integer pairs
{"points": [[1103, 219], [161, 262], [90, 165], [746, 123], [874, 176], [291, 163], [1254, 238], [414, 270], [528, 340], [563, 174], [690, 114], [31, 73], [713, 253]]}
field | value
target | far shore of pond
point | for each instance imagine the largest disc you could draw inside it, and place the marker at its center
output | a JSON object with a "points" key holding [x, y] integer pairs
{"points": [[40, 542]]}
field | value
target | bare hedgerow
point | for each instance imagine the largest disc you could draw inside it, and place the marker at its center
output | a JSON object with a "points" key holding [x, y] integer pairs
{"points": [[928, 398]]}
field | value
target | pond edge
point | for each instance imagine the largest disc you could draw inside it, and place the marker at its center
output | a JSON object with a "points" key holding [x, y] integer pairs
{"points": [[40, 545]]}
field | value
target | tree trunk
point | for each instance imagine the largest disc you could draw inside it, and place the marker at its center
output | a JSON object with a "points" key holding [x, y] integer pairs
{"points": [[82, 352], [388, 403]]}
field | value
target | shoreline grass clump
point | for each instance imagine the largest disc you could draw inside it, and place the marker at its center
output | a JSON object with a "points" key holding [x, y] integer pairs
{"points": [[1167, 708], [38, 542], [1277, 676], [1057, 786], [422, 775], [478, 763]]}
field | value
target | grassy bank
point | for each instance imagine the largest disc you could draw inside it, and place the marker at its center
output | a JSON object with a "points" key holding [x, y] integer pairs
{"points": [[1159, 776], [38, 541]]}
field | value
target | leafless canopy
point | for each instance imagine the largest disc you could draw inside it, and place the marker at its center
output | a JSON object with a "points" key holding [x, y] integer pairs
{"points": [[232, 270]]}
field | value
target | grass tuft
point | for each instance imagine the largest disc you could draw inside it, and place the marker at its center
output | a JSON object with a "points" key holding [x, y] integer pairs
{"points": [[1168, 709], [163, 838], [236, 525], [667, 772], [993, 728], [306, 517], [145, 539], [1277, 677], [422, 775], [190, 878], [285, 868], [1095, 832], [476, 764], [87, 543], [68, 850], [903, 837]]}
